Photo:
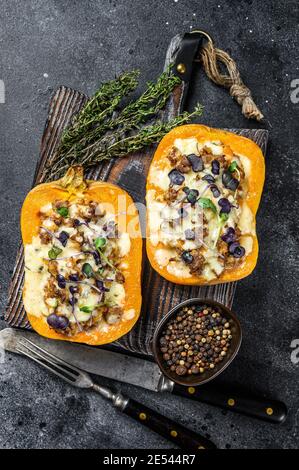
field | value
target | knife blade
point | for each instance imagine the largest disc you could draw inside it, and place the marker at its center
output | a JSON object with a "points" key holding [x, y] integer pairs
{"points": [[146, 374], [98, 361]]}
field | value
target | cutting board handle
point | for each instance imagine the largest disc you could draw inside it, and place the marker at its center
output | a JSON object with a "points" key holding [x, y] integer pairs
{"points": [[198, 46]]}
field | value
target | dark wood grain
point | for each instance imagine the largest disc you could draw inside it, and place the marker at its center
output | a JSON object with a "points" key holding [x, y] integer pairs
{"points": [[159, 295]]}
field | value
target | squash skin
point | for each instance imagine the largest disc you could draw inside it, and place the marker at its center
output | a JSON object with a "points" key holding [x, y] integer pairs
{"points": [[101, 192], [240, 145]]}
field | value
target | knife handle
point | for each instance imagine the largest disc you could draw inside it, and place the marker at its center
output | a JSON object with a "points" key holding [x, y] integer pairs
{"points": [[174, 432], [269, 410]]}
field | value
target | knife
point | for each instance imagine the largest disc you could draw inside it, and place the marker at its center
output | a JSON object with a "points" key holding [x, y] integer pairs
{"points": [[146, 374]]}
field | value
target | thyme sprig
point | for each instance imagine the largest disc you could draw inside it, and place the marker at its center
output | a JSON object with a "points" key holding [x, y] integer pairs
{"points": [[100, 131], [98, 108], [146, 106]]}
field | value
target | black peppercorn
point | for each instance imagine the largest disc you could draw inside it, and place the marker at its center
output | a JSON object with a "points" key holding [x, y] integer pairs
{"points": [[181, 370], [196, 340]]}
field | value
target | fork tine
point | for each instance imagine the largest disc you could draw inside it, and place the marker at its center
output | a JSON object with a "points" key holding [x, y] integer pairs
{"points": [[49, 360], [52, 356], [55, 372]]}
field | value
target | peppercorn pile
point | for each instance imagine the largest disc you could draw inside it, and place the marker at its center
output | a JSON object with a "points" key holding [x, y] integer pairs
{"points": [[195, 340]]}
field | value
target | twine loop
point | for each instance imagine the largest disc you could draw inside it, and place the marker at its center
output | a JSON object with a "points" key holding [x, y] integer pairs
{"points": [[212, 59]]}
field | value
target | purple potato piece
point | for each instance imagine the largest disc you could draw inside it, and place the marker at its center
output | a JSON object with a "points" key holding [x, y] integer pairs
{"points": [[196, 162], [215, 167], [73, 289], [61, 281], [192, 196], [187, 257], [189, 234], [215, 191], [100, 285], [236, 250], [58, 322], [63, 238], [209, 178], [176, 177], [225, 205], [229, 236], [229, 181]]}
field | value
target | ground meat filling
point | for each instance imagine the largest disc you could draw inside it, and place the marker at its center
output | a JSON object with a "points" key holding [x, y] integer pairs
{"points": [[197, 263], [45, 237], [222, 248], [184, 166], [174, 156], [171, 195], [85, 284]]}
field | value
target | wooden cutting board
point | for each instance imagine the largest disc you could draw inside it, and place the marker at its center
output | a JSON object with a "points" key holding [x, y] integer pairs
{"points": [[159, 295]]}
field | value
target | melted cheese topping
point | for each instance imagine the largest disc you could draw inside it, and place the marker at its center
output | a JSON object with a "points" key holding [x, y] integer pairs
{"points": [[36, 277], [42, 293], [160, 176], [187, 146], [163, 214], [178, 269], [246, 220], [124, 244]]}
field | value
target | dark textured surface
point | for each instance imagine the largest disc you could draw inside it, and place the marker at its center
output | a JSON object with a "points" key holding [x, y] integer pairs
{"points": [[78, 43]]}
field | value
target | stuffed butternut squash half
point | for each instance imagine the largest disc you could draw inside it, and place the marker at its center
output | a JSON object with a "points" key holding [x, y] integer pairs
{"points": [[83, 250], [203, 191]]}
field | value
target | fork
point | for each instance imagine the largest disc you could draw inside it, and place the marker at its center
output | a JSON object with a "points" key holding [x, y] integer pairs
{"points": [[169, 429]]}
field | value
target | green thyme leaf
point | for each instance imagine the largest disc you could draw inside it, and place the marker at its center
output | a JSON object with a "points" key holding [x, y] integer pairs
{"points": [[100, 133], [94, 114], [54, 252]]}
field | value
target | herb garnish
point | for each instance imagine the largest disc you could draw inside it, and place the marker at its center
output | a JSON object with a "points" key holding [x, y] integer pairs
{"points": [[87, 270], [86, 309], [206, 203], [98, 108], [90, 308], [98, 133], [106, 260], [63, 211], [100, 242], [54, 252], [223, 217], [233, 166]]}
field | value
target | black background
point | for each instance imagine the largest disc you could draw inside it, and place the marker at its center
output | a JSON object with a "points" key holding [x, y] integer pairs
{"points": [[45, 44]]}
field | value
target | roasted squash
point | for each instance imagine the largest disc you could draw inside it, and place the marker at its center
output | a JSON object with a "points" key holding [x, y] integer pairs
{"points": [[82, 272], [220, 174]]}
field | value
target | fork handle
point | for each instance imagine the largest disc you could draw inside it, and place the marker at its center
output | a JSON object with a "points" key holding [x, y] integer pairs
{"points": [[174, 432]]}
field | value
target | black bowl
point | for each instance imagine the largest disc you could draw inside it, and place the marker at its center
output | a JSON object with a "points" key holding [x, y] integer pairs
{"points": [[194, 380]]}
